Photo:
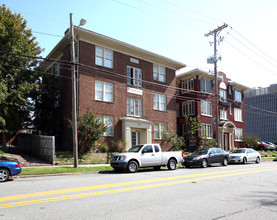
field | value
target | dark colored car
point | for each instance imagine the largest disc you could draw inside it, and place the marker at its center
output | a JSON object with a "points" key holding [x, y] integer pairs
{"points": [[204, 157], [262, 146], [9, 168]]}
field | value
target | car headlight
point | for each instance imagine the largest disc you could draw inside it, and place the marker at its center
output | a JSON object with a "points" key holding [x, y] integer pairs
{"points": [[196, 158], [122, 157]]}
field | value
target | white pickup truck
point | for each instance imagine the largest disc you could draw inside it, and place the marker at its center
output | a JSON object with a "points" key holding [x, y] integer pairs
{"points": [[146, 155]]}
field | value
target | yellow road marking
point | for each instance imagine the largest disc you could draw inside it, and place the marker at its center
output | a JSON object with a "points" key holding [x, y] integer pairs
{"points": [[23, 196], [53, 199]]}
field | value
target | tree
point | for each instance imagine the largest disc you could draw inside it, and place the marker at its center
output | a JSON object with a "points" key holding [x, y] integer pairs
{"points": [[251, 140], [177, 141], [90, 129], [191, 127], [17, 78]]}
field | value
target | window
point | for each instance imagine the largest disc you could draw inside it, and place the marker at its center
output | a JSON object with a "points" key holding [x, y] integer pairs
{"points": [[108, 121], [187, 84], [188, 108], [134, 107], [159, 129], [207, 130], [57, 69], [237, 96], [159, 102], [103, 91], [205, 85], [206, 108], [103, 57], [133, 76], [238, 134], [222, 95], [237, 114], [147, 149], [159, 73], [157, 149], [223, 114]]}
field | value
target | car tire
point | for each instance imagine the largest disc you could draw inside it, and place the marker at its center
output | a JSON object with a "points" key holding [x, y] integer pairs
{"points": [[258, 160], [244, 160], [172, 165], [4, 174], [204, 163], [132, 166], [225, 162], [157, 167]]}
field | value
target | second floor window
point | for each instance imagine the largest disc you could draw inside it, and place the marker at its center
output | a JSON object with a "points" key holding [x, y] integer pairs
{"points": [[222, 95], [103, 91], [159, 73], [223, 114], [134, 76], [205, 85], [188, 108], [134, 107], [237, 114], [187, 84], [103, 57], [237, 96], [206, 108], [159, 102]]}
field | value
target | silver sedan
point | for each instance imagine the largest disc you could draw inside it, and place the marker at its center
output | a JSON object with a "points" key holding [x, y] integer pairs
{"points": [[245, 155]]}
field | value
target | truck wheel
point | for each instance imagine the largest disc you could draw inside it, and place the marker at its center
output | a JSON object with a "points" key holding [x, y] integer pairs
{"points": [[172, 164], [157, 167], [132, 167], [4, 175]]}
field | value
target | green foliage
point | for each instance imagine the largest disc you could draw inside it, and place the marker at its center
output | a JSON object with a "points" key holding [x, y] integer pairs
{"points": [[191, 128], [251, 140], [103, 148], [47, 112], [207, 142], [1, 152], [17, 78], [90, 129], [177, 141], [118, 146]]}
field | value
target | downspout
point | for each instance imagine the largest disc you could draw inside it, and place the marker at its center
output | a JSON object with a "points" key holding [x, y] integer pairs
{"points": [[77, 75]]}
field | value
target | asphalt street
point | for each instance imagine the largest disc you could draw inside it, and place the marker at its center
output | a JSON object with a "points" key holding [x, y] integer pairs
{"points": [[232, 192]]}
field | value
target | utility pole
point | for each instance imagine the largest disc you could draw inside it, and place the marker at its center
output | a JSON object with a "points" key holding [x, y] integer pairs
{"points": [[214, 60], [73, 76]]}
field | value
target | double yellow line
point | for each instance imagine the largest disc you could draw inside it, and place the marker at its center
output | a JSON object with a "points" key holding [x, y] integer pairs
{"points": [[160, 182]]}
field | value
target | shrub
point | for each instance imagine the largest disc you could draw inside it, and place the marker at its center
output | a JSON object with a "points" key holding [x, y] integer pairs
{"points": [[118, 146], [103, 148]]}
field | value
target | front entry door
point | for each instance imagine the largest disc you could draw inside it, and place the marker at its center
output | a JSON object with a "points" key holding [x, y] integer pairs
{"points": [[226, 142], [135, 138]]}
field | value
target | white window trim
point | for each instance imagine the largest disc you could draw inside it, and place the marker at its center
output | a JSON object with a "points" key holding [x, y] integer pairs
{"points": [[205, 85], [204, 130], [160, 130], [102, 118], [206, 108], [103, 91], [132, 80], [189, 104], [159, 102], [240, 132], [133, 103], [103, 57], [159, 73], [236, 116], [235, 96], [224, 115], [186, 84]]}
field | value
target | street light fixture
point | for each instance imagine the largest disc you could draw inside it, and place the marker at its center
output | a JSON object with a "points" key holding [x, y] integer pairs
{"points": [[73, 75]]}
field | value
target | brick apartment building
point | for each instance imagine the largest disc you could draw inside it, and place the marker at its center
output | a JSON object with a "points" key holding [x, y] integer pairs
{"points": [[196, 98], [131, 89]]}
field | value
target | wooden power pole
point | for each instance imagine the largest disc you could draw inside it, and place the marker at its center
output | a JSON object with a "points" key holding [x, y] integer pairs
{"points": [[214, 60]]}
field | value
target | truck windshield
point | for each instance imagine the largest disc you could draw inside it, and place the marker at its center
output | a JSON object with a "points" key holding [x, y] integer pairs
{"points": [[135, 148]]}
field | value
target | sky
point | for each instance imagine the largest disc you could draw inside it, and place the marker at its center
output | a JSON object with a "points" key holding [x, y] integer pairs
{"points": [[171, 28]]}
